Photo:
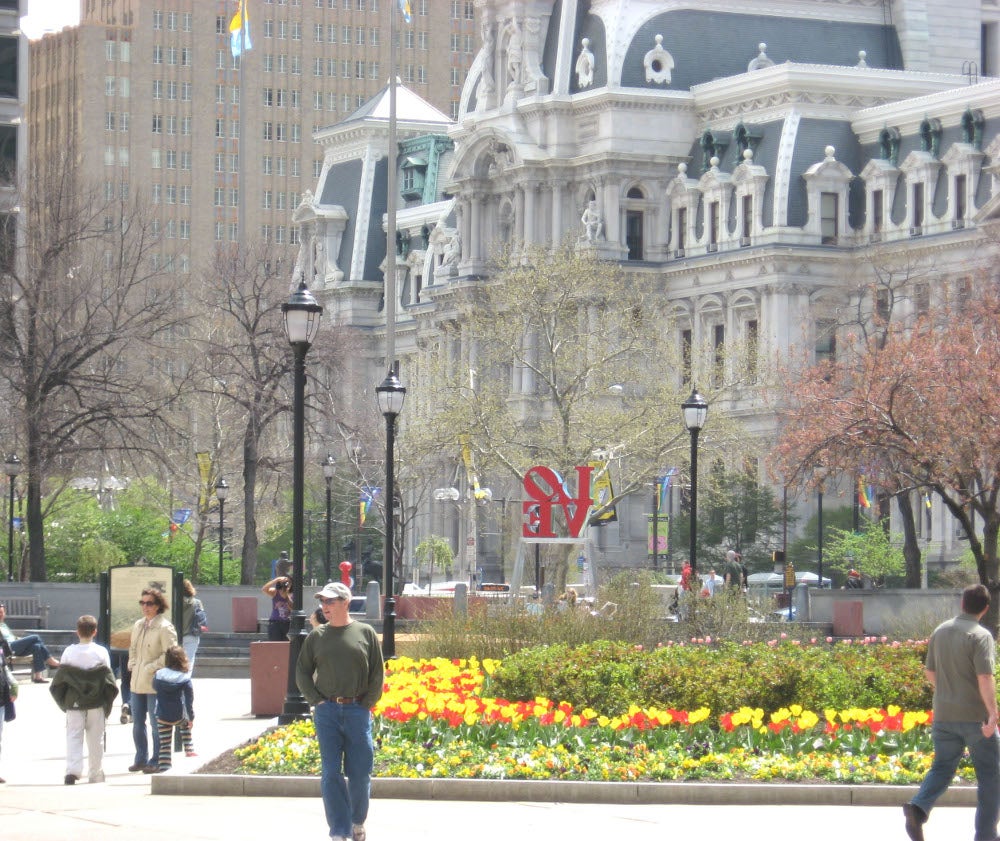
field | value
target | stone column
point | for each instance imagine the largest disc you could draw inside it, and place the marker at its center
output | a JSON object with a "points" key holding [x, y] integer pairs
{"points": [[530, 195]]}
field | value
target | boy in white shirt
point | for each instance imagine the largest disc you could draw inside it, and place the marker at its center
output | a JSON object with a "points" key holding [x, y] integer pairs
{"points": [[85, 688]]}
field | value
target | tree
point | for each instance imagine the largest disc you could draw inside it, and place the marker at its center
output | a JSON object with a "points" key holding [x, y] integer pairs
{"points": [[434, 551], [870, 551], [84, 313], [923, 406], [557, 356]]}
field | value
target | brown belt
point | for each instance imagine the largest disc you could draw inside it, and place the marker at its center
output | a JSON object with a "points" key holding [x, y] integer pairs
{"points": [[339, 699]]}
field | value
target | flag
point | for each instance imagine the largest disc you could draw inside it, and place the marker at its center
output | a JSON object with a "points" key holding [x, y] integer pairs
{"points": [[239, 30], [367, 497], [665, 481], [404, 7], [927, 501], [863, 499]]}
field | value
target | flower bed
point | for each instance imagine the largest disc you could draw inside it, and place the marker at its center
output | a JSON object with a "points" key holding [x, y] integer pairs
{"points": [[437, 718]]}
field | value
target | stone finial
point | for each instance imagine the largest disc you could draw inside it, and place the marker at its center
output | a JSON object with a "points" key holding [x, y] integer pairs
{"points": [[862, 55], [748, 155], [713, 162], [761, 61], [682, 168], [585, 65], [828, 151]]}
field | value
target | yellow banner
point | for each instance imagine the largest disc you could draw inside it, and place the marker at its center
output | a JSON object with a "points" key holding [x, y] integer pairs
{"points": [[205, 472], [601, 491]]}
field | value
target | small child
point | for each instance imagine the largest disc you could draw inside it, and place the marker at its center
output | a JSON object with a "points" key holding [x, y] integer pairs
{"points": [[174, 704], [85, 688]]}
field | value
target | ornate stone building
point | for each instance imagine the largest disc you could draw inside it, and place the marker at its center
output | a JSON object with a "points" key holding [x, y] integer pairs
{"points": [[754, 158]]}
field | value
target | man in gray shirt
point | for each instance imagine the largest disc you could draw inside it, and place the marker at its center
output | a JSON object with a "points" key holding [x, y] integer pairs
{"points": [[340, 673], [960, 662]]}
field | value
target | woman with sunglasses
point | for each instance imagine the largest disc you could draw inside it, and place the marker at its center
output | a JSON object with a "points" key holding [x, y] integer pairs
{"points": [[151, 637]]}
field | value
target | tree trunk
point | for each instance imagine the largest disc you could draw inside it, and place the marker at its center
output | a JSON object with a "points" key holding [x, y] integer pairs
{"points": [[248, 564], [911, 547], [991, 529]]}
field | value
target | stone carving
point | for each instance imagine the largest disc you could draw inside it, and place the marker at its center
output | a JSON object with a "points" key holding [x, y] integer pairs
{"points": [[761, 61], [515, 50], [585, 65], [862, 55], [658, 63], [487, 82], [452, 251], [593, 224]]}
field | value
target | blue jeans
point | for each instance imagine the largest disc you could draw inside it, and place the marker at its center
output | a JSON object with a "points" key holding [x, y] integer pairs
{"points": [[190, 643], [31, 644], [344, 732], [143, 713], [951, 738]]}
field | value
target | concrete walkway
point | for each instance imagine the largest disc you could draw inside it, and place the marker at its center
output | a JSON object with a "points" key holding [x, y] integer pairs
{"points": [[36, 806]]}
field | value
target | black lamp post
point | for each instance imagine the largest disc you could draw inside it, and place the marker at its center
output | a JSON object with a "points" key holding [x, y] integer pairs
{"points": [[221, 492], [329, 466], [13, 468], [302, 318], [391, 394], [695, 411]]}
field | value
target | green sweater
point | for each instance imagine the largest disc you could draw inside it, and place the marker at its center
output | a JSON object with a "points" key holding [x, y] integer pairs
{"points": [[343, 662]]}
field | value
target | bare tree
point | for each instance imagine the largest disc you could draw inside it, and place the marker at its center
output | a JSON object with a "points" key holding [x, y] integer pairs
{"points": [[85, 308]]}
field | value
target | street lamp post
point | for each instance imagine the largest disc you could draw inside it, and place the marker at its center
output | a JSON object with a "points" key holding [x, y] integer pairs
{"points": [[302, 318], [221, 492], [695, 411], [13, 467], [656, 524], [329, 466], [391, 394]]}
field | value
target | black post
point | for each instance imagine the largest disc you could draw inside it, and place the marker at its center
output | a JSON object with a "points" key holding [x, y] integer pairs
{"points": [[296, 706], [389, 619], [326, 565], [854, 508], [222, 508], [692, 559], [819, 552], [538, 570], [656, 524], [10, 532]]}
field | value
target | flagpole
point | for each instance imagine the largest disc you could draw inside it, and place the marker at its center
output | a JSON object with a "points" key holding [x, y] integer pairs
{"points": [[390, 207], [240, 193]]}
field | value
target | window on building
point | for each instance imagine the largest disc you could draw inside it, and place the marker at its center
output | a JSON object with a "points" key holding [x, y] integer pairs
{"points": [[878, 210], [681, 238], [828, 207], [918, 207], [713, 226], [633, 234], [960, 186], [747, 220], [825, 346]]}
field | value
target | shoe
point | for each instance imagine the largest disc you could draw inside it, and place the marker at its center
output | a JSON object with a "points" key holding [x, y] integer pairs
{"points": [[70, 779], [190, 753], [38, 679], [155, 769], [126, 715], [2, 781], [97, 778], [139, 766], [358, 832], [915, 820]]}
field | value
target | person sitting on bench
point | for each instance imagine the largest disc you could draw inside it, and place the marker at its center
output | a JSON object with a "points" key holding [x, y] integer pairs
{"points": [[31, 644]]}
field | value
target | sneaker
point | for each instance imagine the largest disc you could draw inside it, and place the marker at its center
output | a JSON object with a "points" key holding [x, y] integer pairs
{"points": [[126, 716], [70, 779], [915, 820], [190, 753], [358, 832], [97, 778]]}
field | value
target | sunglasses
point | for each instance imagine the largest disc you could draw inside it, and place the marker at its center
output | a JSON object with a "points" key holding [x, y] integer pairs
{"points": [[331, 601], [146, 604]]}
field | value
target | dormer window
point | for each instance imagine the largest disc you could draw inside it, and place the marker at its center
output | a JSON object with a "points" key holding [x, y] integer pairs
{"points": [[921, 171], [930, 136], [414, 172], [749, 183], [964, 162], [826, 187], [829, 211], [878, 210], [918, 208]]}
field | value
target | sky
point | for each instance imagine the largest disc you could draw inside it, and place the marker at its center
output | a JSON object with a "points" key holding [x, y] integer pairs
{"points": [[49, 14]]}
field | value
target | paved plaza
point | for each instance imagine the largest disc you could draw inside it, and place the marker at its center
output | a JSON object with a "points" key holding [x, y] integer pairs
{"points": [[36, 806]]}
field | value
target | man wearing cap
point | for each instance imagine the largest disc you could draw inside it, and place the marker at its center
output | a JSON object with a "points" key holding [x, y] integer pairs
{"points": [[340, 672]]}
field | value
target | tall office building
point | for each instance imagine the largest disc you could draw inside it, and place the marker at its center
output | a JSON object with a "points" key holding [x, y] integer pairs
{"points": [[148, 95], [13, 130]]}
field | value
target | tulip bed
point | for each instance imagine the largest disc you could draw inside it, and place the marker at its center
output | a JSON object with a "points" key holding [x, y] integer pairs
{"points": [[437, 718]]}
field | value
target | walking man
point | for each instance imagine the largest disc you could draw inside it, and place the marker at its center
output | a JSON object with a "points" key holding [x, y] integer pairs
{"points": [[960, 658], [340, 673]]}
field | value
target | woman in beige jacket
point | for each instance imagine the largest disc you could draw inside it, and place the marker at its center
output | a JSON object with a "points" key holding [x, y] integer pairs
{"points": [[151, 637]]}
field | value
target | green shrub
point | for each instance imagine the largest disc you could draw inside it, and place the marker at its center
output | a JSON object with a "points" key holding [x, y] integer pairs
{"points": [[609, 676]]}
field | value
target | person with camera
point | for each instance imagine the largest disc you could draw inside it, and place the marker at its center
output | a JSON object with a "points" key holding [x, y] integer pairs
{"points": [[280, 591]]}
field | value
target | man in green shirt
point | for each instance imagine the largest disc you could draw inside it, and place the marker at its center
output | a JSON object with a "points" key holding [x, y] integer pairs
{"points": [[959, 665], [340, 673]]}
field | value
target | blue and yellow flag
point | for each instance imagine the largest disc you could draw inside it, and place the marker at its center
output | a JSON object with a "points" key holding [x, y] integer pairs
{"points": [[239, 30], [404, 7]]}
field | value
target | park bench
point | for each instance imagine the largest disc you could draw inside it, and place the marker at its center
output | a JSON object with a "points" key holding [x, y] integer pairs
{"points": [[26, 612]]}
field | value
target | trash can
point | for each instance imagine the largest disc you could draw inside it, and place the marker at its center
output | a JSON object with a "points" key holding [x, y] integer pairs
{"points": [[244, 615], [268, 677], [848, 619]]}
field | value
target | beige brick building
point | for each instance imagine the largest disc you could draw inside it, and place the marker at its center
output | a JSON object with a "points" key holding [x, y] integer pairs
{"points": [[155, 102]]}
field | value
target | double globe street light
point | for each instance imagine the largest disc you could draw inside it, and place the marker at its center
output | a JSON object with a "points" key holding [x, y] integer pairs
{"points": [[390, 394]]}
